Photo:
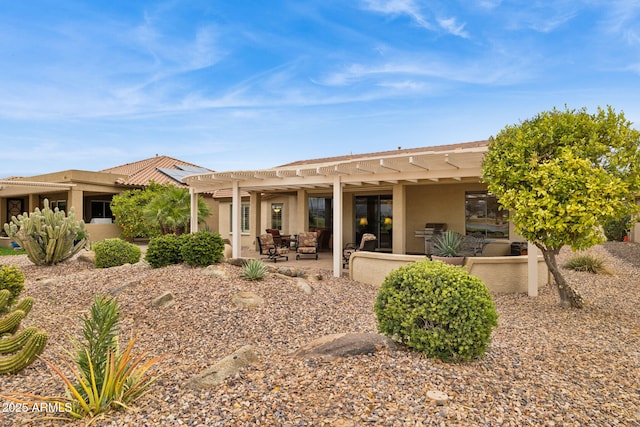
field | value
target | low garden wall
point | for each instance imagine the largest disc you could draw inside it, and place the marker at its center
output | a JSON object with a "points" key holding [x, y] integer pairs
{"points": [[501, 274], [99, 232]]}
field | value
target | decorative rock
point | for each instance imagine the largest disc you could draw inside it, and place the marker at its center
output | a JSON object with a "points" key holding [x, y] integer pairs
{"points": [[247, 300], [216, 271], [304, 286], [438, 397], [345, 344], [165, 300], [87, 256], [224, 368], [116, 291]]}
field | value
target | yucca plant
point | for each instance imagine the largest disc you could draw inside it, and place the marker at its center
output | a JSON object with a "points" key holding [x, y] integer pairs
{"points": [[254, 269], [103, 378], [100, 332], [587, 262], [448, 244]]}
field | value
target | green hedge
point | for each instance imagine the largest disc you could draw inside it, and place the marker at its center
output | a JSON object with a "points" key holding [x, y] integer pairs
{"points": [[115, 252]]}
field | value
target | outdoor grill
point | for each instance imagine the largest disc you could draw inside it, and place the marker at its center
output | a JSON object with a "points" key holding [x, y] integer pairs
{"points": [[428, 233]]}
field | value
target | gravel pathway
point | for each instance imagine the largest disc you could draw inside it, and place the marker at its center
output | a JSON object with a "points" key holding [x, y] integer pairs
{"points": [[547, 366]]}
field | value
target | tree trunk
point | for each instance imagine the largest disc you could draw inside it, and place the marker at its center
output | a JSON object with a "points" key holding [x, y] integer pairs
{"points": [[568, 296]]}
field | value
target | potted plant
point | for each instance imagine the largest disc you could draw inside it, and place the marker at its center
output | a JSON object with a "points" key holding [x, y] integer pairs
{"points": [[447, 247]]}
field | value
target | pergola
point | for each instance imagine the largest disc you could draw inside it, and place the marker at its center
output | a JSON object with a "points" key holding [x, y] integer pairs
{"points": [[429, 165]]}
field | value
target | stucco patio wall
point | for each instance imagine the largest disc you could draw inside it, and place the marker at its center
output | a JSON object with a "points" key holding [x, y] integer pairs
{"points": [[99, 232], [501, 274]]}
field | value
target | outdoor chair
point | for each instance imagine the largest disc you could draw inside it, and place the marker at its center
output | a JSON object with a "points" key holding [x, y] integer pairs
{"points": [[281, 240], [307, 244], [367, 243], [269, 250], [474, 244]]}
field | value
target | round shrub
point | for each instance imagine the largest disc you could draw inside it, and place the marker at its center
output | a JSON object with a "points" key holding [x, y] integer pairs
{"points": [[165, 250], [12, 279], [202, 248], [438, 309], [115, 252]]}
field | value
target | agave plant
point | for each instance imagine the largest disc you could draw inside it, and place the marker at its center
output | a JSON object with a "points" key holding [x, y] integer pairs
{"points": [[448, 244], [254, 270]]}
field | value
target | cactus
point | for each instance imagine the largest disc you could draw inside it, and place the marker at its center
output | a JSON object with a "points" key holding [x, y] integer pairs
{"points": [[12, 320], [5, 294], [16, 342], [26, 356], [25, 305], [48, 236]]}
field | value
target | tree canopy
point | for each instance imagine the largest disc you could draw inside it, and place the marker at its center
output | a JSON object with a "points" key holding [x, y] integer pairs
{"points": [[563, 175]]}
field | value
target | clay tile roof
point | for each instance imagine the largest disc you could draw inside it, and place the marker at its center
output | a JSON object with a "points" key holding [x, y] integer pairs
{"points": [[160, 169], [449, 147]]}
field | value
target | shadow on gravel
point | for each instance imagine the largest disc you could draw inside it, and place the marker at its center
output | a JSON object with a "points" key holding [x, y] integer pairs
{"points": [[626, 251]]}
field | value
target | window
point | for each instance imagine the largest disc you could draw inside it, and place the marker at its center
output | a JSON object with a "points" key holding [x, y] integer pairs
{"points": [[60, 204], [484, 215], [244, 218], [101, 209], [276, 216], [320, 212]]}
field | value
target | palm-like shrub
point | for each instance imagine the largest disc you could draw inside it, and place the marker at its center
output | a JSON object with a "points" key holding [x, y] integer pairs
{"points": [[49, 236], [170, 209], [115, 252], [437, 309]]}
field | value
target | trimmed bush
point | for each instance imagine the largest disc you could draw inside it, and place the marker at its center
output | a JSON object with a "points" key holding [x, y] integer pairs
{"points": [[11, 279], [165, 250], [587, 262], [202, 248], [115, 252], [437, 309]]}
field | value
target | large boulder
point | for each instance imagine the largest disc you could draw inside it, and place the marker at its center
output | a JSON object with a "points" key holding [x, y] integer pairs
{"points": [[345, 344], [224, 368]]}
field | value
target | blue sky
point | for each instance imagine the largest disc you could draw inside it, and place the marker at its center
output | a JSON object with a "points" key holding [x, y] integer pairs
{"points": [[253, 84]]}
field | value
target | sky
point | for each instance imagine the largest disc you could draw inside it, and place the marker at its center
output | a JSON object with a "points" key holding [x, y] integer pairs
{"points": [[236, 85]]}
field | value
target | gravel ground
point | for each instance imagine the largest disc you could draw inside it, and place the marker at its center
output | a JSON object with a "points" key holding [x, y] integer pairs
{"points": [[547, 366]]}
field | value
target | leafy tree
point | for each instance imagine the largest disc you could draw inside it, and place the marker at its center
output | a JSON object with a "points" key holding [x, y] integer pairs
{"points": [[170, 209], [564, 174], [128, 207]]}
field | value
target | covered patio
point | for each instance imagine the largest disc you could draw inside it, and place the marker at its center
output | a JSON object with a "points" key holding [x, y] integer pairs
{"points": [[424, 184]]}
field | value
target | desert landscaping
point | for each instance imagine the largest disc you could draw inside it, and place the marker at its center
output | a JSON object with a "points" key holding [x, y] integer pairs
{"points": [[547, 366]]}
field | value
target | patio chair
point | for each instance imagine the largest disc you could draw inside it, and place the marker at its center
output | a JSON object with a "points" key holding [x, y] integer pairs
{"points": [[268, 248], [474, 244], [307, 244], [367, 243], [281, 240]]}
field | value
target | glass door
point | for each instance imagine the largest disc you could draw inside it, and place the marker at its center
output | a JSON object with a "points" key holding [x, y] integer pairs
{"points": [[373, 214]]}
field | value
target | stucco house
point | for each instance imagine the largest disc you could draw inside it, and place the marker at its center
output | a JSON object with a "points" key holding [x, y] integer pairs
{"points": [[392, 194], [90, 193]]}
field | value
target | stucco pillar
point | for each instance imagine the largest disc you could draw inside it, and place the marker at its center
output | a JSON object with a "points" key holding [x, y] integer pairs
{"points": [[77, 203], [193, 221], [255, 210], [399, 240], [34, 202], [337, 226], [302, 212], [236, 237], [532, 269]]}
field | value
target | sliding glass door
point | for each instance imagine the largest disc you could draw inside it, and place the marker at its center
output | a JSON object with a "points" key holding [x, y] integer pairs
{"points": [[374, 215]]}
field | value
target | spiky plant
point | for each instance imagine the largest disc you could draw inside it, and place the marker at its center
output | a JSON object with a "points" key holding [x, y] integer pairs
{"points": [[254, 269], [100, 332], [587, 262]]}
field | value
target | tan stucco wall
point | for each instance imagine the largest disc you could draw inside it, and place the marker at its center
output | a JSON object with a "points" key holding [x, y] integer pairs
{"points": [[435, 203], [99, 232], [501, 274]]}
